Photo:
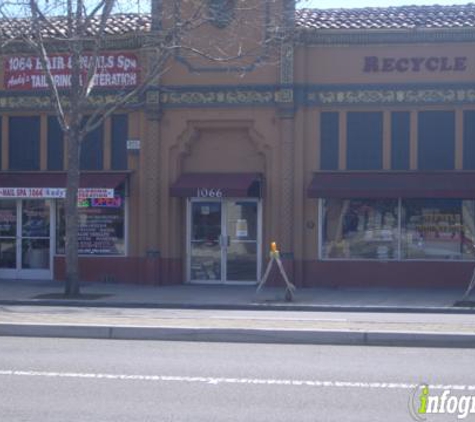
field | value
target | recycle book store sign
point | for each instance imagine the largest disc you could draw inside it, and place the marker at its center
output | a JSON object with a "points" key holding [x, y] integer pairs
{"points": [[114, 70]]}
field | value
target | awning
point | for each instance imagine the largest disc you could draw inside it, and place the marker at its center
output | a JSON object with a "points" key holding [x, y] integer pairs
{"points": [[217, 185], [52, 184], [392, 184]]}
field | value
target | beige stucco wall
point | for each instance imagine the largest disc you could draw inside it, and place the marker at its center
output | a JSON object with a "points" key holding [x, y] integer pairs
{"points": [[339, 64], [250, 138], [224, 140]]}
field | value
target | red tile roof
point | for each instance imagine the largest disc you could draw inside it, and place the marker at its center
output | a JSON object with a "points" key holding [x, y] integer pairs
{"points": [[402, 17], [117, 24]]}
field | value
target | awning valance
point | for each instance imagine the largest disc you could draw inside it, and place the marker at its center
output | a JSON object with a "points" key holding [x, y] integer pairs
{"points": [[53, 184], [393, 184], [217, 185]]}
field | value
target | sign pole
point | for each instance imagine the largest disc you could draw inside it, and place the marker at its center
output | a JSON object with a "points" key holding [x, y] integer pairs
{"points": [[471, 286], [275, 257]]}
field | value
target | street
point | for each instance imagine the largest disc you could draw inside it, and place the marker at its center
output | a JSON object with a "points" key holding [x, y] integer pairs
{"points": [[45, 380]]}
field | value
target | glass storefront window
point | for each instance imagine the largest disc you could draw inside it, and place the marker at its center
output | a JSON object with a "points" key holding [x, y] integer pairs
{"points": [[35, 232], [430, 229], [101, 227], [8, 229], [360, 229], [8, 218], [439, 229]]}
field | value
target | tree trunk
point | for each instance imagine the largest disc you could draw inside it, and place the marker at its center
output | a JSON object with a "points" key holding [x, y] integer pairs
{"points": [[71, 213], [74, 138]]}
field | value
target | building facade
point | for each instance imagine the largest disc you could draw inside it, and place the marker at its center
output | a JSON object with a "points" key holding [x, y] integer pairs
{"points": [[351, 144]]}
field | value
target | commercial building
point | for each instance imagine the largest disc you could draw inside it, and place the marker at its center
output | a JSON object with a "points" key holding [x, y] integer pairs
{"points": [[353, 148]]}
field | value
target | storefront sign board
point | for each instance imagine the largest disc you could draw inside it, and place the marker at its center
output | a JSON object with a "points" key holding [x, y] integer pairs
{"points": [[114, 70], [133, 144], [54, 193]]}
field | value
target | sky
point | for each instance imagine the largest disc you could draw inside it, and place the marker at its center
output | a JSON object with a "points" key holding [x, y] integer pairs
{"points": [[329, 4]]}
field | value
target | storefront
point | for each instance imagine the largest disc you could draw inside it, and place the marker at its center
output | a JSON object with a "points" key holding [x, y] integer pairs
{"points": [[32, 222], [354, 150], [223, 226], [27, 238], [384, 224]]}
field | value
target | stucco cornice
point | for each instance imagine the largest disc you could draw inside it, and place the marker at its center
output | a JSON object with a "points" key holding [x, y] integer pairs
{"points": [[116, 42], [381, 36]]}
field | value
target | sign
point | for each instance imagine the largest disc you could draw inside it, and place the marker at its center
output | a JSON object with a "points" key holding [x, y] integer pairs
{"points": [[433, 64], [54, 193], [101, 231], [209, 193], [133, 144], [241, 228], [440, 226], [115, 202], [114, 70]]}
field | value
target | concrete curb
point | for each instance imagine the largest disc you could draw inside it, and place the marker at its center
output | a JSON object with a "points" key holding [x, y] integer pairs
{"points": [[242, 335], [265, 306]]}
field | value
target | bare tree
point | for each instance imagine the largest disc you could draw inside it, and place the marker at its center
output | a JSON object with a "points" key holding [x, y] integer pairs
{"points": [[79, 30]]}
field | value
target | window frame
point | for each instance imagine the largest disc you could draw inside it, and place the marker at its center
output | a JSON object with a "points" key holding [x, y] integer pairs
{"points": [[399, 257], [126, 212]]}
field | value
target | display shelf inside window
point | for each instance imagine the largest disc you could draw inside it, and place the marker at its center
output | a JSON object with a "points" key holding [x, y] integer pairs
{"points": [[360, 229]]}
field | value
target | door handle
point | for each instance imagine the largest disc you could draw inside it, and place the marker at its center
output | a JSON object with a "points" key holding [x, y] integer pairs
{"points": [[224, 241]]}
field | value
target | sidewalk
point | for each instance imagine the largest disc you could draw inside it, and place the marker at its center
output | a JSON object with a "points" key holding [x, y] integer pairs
{"points": [[48, 293], [396, 317]]}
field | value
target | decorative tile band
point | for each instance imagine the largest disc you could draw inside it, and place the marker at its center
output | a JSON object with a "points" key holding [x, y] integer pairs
{"points": [[231, 97], [42, 101], [380, 36], [399, 96], [266, 96]]}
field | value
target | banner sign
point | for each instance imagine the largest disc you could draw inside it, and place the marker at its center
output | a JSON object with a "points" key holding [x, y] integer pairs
{"points": [[54, 193], [375, 64], [114, 70]]}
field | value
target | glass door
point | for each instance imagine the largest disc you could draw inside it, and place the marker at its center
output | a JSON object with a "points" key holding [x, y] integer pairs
{"points": [[205, 254], [35, 236], [224, 241], [8, 236], [242, 222], [25, 239]]}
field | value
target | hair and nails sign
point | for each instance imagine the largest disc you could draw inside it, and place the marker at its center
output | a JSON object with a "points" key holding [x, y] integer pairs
{"points": [[54, 193], [114, 70]]}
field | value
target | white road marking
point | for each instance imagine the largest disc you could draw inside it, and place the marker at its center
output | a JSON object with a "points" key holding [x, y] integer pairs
{"points": [[252, 381], [258, 318]]}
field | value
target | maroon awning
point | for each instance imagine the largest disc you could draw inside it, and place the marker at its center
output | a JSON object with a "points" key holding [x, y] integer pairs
{"points": [[209, 185], [393, 184], [106, 180]]}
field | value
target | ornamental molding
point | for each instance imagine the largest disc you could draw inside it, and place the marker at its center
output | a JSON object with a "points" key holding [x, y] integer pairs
{"points": [[264, 10], [288, 97], [409, 95], [192, 133], [42, 101], [221, 12], [211, 97], [381, 36]]}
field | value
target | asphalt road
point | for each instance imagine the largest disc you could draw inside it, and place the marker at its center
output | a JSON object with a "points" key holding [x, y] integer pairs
{"points": [[43, 380]]}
